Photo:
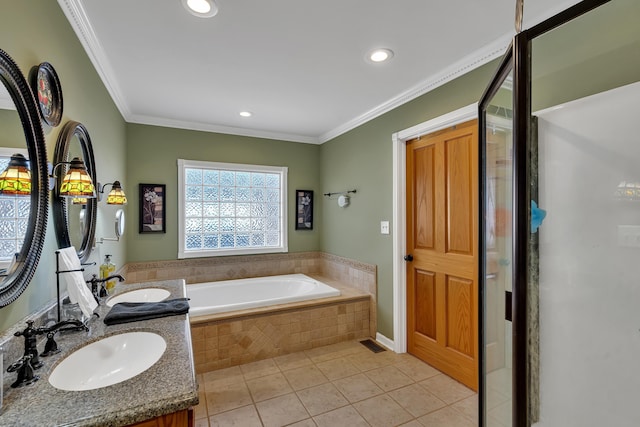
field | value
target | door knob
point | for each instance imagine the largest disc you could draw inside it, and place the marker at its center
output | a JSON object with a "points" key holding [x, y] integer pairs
{"points": [[408, 257]]}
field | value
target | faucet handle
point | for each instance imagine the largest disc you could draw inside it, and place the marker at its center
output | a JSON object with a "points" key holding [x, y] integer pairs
{"points": [[51, 346], [29, 331], [18, 363], [26, 375], [30, 343]]}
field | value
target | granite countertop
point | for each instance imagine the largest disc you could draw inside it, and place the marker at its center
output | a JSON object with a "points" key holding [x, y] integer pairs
{"points": [[168, 386]]}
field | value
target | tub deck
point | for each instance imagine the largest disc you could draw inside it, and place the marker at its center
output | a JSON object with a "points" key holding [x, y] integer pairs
{"points": [[347, 293], [232, 338]]}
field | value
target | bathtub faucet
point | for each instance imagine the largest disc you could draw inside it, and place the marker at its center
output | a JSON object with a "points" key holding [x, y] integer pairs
{"points": [[97, 294]]}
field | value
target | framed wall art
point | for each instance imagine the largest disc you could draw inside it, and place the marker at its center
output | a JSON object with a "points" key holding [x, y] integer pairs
{"points": [[152, 208], [48, 93], [304, 210]]}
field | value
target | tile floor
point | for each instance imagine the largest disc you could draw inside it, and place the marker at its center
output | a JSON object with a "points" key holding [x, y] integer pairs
{"points": [[343, 384]]}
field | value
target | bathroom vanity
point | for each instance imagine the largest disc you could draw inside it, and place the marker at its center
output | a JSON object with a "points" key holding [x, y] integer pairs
{"points": [[161, 395]]}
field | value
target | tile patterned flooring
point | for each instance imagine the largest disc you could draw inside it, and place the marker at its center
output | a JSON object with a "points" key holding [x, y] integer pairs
{"points": [[342, 384]]}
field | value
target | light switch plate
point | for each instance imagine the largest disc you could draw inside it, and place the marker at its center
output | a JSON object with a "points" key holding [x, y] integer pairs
{"points": [[384, 227]]}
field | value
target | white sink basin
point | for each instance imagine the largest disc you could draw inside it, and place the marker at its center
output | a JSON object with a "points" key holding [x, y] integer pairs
{"points": [[140, 295], [108, 361]]}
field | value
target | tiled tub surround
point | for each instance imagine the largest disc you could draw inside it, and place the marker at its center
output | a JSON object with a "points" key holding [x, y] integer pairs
{"points": [[353, 273], [234, 338], [219, 340], [168, 386]]}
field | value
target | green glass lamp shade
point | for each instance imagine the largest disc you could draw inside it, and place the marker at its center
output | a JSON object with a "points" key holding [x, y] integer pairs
{"points": [[116, 195], [77, 183], [16, 178]]}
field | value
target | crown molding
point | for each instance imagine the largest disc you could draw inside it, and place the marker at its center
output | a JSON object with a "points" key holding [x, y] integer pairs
{"points": [[230, 130], [470, 62], [75, 13], [77, 17], [457, 69]]}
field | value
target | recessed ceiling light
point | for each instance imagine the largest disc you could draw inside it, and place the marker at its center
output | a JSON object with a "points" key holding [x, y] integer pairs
{"points": [[246, 113], [380, 55], [201, 8]]}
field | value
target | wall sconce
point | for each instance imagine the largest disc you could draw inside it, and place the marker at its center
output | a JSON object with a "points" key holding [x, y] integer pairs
{"points": [[76, 182], [116, 196], [15, 180]]}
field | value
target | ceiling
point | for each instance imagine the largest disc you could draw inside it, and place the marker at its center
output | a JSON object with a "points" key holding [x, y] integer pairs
{"points": [[298, 65]]}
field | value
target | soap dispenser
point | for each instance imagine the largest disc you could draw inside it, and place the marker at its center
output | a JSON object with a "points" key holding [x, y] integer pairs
{"points": [[107, 269]]}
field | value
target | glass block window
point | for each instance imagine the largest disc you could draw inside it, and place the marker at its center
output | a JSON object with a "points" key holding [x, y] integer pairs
{"points": [[14, 217], [231, 209]]}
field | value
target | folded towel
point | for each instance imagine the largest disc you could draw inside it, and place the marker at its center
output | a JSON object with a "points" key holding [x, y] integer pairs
{"points": [[125, 312], [78, 290]]}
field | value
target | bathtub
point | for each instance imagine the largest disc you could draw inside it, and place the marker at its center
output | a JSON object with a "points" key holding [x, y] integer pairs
{"points": [[240, 294]]}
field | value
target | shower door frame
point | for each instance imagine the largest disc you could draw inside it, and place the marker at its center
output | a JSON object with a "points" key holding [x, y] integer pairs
{"points": [[518, 58], [503, 71]]}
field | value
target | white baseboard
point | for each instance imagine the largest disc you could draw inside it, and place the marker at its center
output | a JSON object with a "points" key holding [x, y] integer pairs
{"points": [[386, 342]]}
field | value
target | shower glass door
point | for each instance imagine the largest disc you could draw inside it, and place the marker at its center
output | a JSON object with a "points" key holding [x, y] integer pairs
{"points": [[560, 220], [497, 247], [585, 92]]}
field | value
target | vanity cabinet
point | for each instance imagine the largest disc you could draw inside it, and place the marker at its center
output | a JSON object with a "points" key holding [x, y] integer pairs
{"points": [[167, 387], [182, 418]]}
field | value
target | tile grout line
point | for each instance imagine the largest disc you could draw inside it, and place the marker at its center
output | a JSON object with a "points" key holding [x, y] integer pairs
{"points": [[317, 359]]}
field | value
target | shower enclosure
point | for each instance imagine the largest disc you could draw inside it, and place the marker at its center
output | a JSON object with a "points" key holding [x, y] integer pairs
{"points": [[560, 223]]}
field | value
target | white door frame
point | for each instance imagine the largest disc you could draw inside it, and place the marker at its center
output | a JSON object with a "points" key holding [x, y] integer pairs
{"points": [[400, 139]]}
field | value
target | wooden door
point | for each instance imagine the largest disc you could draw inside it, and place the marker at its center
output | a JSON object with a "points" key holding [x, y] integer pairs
{"points": [[442, 224]]}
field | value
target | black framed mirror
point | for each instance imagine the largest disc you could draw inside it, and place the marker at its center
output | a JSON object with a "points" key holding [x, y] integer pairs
{"points": [[74, 219], [16, 277]]}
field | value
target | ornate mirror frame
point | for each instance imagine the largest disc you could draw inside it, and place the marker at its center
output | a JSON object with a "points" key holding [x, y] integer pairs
{"points": [[61, 204], [20, 273]]}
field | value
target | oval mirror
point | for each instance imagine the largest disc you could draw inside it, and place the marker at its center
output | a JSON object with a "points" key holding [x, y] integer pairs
{"points": [[74, 219], [25, 233], [120, 224]]}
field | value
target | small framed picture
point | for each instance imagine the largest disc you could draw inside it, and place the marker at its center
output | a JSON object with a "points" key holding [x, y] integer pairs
{"points": [[46, 88], [304, 210], [152, 208]]}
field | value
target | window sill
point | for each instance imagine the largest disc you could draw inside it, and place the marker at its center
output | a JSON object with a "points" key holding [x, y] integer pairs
{"points": [[230, 252]]}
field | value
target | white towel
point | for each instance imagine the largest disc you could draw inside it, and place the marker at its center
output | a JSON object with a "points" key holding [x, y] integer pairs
{"points": [[78, 291]]}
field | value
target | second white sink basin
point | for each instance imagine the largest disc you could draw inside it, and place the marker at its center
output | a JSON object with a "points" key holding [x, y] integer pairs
{"points": [[140, 295], [108, 361]]}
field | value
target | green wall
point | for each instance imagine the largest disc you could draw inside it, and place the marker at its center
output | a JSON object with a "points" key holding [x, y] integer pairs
{"points": [[12, 134], [594, 53], [152, 154], [36, 31], [362, 159]]}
